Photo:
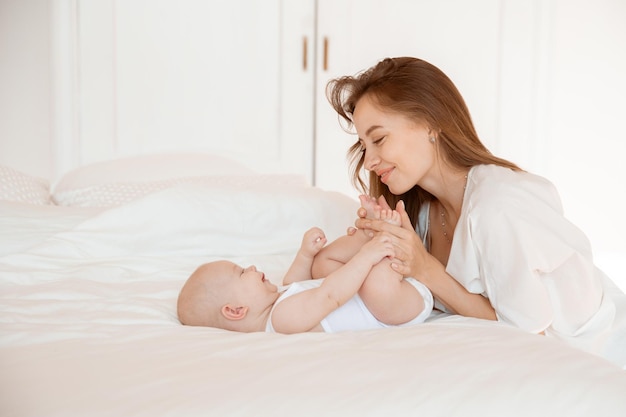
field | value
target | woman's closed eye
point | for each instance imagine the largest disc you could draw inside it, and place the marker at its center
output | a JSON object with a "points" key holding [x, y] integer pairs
{"points": [[375, 142]]}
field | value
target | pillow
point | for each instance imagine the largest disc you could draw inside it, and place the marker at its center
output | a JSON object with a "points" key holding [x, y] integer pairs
{"points": [[115, 182], [19, 187], [116, 194]]}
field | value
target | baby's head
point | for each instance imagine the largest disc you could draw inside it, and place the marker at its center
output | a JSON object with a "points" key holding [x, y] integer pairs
{"points": [[224, 295]]}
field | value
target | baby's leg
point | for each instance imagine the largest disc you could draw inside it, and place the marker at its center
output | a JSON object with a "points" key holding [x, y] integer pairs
{"points": [[389, 297]]}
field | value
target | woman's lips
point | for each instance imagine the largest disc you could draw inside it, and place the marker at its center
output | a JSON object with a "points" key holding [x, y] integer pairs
{"points": [[384, 175]]}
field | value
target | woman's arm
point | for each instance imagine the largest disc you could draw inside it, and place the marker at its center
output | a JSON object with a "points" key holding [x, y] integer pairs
{"points": [[451, 293]]}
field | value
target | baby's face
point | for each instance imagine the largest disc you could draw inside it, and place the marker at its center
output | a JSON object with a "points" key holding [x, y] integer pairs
{"points": [[244, 282]]}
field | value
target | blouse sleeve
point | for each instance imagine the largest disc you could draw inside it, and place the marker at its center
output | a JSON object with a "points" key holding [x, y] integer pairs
{"points": [[536, 267]]}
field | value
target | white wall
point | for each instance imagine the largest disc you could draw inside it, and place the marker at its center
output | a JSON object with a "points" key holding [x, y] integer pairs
{"points": [[25, 86], [570, 128], [587, 90]]}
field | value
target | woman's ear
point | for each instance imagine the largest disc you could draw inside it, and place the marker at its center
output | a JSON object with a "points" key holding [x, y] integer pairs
{"points": [[234, 313]]}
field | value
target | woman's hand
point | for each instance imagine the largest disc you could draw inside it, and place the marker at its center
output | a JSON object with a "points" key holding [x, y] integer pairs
{"points": [[411, 257]]}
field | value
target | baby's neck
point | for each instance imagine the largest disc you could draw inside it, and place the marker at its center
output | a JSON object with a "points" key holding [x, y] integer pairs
{"points": [[253, 322], [256, 321], [265, 316]]}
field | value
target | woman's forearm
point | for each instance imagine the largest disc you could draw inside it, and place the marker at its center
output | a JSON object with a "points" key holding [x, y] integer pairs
{"points": [[455, 297]]}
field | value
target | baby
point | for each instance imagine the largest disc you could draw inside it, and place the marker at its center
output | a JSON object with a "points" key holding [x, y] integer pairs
{"points": [[358, 289]]}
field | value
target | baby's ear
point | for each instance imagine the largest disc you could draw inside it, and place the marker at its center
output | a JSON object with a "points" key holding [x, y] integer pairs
{"points": [[234, 313]]}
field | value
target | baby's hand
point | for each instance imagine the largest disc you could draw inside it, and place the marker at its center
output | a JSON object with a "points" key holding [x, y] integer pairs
{"points": [[313, 241], [377, 249]]}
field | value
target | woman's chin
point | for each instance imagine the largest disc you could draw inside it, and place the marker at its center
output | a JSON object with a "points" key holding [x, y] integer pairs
{"points": [[397, 190]]}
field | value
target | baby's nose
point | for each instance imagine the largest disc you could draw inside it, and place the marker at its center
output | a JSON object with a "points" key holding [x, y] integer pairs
{"points": [[251, 268]]}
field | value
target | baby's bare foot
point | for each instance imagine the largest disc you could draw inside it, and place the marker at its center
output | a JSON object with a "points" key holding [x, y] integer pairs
{"points": [[391, 217], [371, 206], [375, 211]]}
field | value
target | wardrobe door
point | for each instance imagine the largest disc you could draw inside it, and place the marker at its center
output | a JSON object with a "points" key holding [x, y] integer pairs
{"points": [[458, 36], [218, 76]]}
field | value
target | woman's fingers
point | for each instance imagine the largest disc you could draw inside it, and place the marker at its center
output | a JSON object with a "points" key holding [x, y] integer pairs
{"points": [[361, 223], [401, 268], [375, 225], [404, 216]]}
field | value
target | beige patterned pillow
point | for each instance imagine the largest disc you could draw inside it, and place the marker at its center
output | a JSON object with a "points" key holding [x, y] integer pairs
{"points": [[120, 181], [115, 194], [20, 187]]}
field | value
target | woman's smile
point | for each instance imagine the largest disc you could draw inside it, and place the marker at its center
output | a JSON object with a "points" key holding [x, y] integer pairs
{"points": [[383, 174]]}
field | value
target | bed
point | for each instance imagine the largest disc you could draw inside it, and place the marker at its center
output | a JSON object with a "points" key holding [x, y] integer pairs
{"points": [[89, 274]]}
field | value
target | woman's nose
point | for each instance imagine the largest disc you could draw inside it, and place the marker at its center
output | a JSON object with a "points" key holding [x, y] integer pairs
{"points": [[370, 160]]}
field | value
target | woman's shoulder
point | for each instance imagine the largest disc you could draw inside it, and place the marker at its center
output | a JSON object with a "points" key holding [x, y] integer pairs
{"points": [[500, 187], [497, 174]]}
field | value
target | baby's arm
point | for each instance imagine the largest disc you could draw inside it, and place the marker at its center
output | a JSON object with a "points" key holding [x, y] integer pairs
{"points": [[312, 242], [305, 310], [337, 253]]}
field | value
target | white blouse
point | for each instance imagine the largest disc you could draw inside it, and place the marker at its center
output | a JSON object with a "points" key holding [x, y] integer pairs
{"points": [[513, 244]]}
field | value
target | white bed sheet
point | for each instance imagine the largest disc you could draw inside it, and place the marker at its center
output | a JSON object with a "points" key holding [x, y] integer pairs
{"points": [[88, 325]]}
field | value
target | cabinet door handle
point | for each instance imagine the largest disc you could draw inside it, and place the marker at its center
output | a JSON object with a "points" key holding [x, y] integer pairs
{"points": [[305, 53], [325, 60]]}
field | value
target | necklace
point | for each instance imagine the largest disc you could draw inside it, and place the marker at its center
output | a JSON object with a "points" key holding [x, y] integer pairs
{"points": [[443, 217], [443, 223]]}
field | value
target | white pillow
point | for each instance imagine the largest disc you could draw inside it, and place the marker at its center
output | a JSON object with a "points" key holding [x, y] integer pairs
{"points": [[200, 221], [20, 187]]}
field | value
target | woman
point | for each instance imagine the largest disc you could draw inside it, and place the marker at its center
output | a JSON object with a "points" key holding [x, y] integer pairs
{"points": [[491, 241]]}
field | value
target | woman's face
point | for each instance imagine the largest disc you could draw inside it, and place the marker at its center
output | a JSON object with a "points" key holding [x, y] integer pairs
{"points": [[395, 147]]}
